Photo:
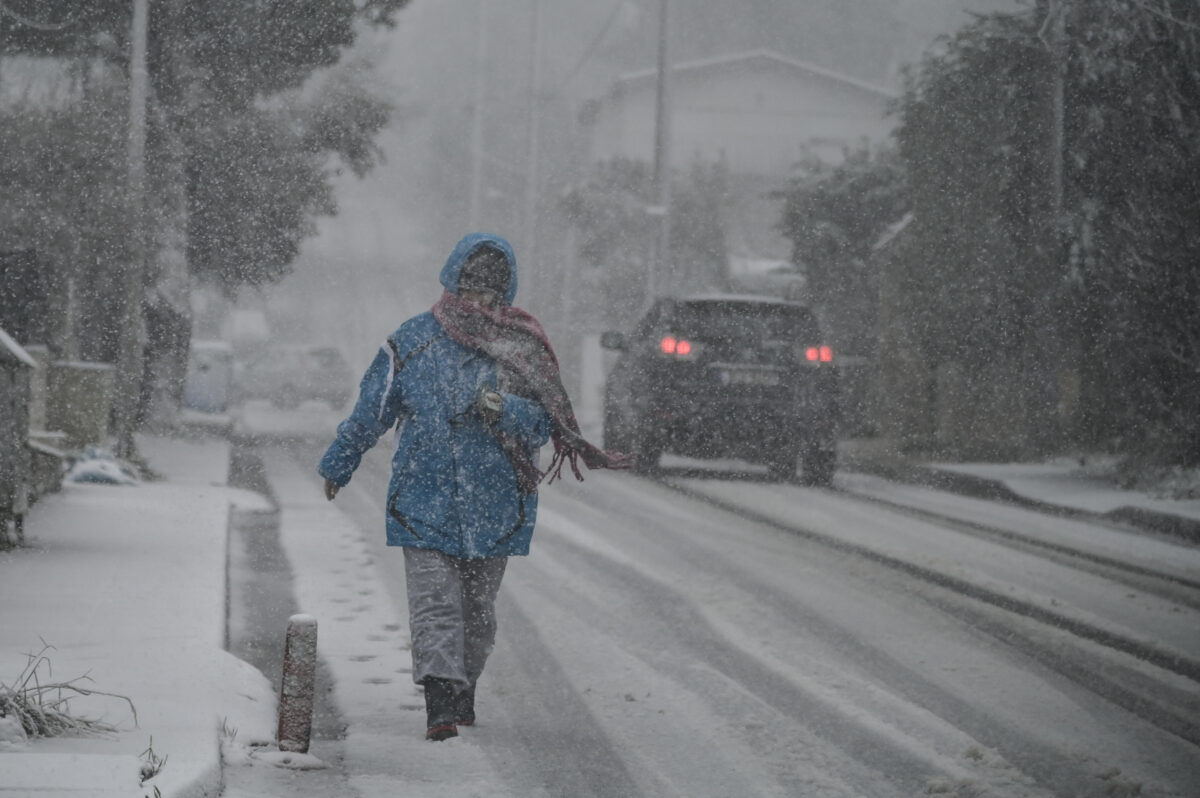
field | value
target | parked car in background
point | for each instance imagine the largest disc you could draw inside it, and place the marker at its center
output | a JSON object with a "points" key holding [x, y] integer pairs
{"points": [[289, 375], [725, 376], [208, 382]]}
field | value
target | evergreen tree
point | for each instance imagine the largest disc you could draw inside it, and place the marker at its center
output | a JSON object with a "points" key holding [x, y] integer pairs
{"points": [[1004, 286], [833, 215], [1133, 177], [617, 237], [226, 78]]}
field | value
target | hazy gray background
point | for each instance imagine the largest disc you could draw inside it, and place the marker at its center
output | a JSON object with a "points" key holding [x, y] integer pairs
{"points": [[376, 263]]}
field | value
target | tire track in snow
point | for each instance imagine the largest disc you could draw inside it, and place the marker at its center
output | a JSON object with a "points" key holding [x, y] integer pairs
{"points": [[907, 748], [1174, 587], [1162, 656], [650, 525]]}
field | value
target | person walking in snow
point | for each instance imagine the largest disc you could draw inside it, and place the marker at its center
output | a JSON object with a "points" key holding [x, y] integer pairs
{"points": [[474, 391]]}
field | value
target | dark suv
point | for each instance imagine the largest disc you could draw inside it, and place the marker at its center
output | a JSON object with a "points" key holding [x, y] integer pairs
{"points": [[725, 376]]}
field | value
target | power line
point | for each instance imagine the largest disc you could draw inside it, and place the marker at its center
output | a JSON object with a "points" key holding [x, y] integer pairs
{"points": [[612, 18]]}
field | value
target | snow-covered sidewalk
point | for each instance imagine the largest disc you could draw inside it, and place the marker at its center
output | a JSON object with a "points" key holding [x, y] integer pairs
{"points": [[364, 639], [124, 589], [1063, 483], [1059, 483], [127, 585]]}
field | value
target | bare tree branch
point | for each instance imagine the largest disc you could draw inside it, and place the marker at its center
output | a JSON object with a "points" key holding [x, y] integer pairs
{"points": [[29, 23]]}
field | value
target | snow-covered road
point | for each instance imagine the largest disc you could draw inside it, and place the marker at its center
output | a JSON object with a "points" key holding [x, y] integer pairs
{"points": [[1161, 625], [702, 636]]}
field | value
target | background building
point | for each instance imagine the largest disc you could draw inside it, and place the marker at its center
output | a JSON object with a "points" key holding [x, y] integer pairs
{"points": [[758, 112]]}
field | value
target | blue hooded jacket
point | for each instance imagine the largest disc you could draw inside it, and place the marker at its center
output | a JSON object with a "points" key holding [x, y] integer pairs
{"points": [[452, 488]]}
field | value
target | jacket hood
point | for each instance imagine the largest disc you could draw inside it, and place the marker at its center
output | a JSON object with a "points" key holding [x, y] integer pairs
{"points": [[465, 248]]}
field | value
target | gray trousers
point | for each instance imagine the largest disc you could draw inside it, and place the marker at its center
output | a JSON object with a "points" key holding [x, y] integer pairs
{"points": [[451, 613]]}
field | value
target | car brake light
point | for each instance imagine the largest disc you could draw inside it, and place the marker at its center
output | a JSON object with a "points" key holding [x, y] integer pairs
{"points": [[670, 345]]}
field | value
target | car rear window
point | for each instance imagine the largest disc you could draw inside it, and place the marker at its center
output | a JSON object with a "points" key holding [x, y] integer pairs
{"points": [[734, 320]]}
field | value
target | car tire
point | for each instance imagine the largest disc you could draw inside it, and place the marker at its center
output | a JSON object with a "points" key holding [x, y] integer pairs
{"points": [[818, 467], [646, 460], [615, 437], [647, 448], [783, 468]]}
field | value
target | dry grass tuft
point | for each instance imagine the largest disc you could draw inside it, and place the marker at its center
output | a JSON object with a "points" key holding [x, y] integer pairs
{"points": [[43, 706]]}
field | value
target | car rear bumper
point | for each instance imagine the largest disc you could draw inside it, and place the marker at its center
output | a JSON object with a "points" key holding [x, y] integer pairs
{"points": [[748, 430]]}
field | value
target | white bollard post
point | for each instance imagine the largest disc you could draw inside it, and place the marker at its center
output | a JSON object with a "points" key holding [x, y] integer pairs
{"points": [[298, 685]]}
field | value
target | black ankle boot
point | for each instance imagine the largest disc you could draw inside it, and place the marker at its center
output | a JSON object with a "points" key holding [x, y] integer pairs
{"points": [[464, 707], [439, 709]]}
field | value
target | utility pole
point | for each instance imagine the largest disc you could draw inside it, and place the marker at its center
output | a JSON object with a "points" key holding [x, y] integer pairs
{"points": [[129, 365], [1058, 33], [657, 277], [533, 137], [481, 41], [1049, 352]]}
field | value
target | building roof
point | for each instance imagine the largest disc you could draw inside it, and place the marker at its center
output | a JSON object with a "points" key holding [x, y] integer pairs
{"points": [[752, 57]]}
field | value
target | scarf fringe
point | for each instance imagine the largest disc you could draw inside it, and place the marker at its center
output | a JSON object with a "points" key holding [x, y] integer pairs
{"points": [[563, 454]]}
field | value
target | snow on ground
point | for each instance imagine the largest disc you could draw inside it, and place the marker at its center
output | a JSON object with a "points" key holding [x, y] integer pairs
{"points": [[1168, 556], [733, 619], [125, 583], [363, 638], [1022, 576], [1066, 483], [735, 579]]}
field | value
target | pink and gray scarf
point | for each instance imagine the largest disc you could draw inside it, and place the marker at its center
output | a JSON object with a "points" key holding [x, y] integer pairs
{"points": [[517, 342]]}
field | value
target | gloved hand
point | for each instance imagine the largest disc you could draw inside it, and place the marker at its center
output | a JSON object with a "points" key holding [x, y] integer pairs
{"points": [[489, 405], [331, 489]]}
